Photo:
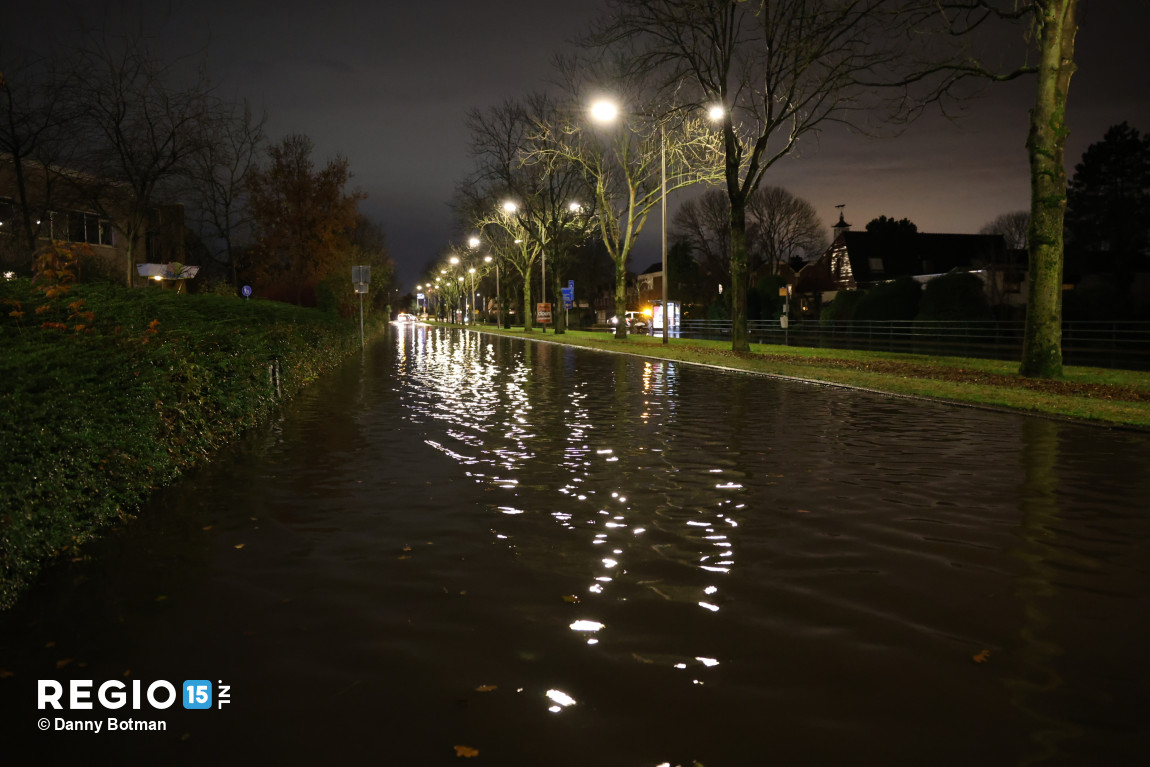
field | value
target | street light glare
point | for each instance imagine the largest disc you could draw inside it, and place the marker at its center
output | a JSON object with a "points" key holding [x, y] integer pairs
{"points": [[454, 260], [717, 112], [575, 207], [473, 242], [510, 207], [604, 111]]}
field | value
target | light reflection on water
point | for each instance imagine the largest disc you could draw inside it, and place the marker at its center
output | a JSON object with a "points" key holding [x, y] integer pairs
{"points": [[800, 514], [637, 563]]}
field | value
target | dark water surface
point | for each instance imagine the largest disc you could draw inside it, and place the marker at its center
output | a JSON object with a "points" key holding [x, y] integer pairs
{"points": [[650, 563]]}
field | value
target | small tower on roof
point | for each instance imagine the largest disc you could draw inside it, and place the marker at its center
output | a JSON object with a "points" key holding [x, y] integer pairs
{"points": [[842, 225]]}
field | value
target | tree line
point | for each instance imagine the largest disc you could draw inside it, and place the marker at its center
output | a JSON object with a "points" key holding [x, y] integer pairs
{"points": [[115, 127], [716, 92]]}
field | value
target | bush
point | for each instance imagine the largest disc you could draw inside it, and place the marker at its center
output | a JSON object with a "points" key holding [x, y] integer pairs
{"points": [[958, 296], [890, 301], [101, 411], [842, 308]]}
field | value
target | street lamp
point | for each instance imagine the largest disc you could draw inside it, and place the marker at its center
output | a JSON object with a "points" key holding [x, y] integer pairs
{"points": [[604, 112]]}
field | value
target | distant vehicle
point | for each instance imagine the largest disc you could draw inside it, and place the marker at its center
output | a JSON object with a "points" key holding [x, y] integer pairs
{"points": [[636, 322], [404, 317]]}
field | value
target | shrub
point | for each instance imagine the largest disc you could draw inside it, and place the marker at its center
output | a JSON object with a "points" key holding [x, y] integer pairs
{"points": [[842, 308], [956, 296], [890, 301]]}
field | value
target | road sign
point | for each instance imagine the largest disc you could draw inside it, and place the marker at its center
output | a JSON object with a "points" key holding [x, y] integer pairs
{"points": [[568, 296], [543, 313], [246, 290]]}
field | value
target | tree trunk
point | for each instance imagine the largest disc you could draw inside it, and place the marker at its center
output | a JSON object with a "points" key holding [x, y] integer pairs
{"points": [[1046, 145], [739, 335], [558, 315], [621, 295], [527, 318]]}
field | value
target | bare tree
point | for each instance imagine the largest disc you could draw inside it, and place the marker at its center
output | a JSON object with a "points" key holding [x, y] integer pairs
{"points": [[35, 113], [142, 119], [625, 163], [704, 224], [779, 227], [218, 179], [543, 206], [1012, 226], [780, 70]]}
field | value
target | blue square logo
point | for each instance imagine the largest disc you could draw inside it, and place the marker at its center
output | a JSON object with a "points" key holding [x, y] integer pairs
{"points": [[197, 693]]}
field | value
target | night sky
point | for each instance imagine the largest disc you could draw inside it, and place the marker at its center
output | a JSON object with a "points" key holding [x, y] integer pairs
{"points": [[387, 84]]}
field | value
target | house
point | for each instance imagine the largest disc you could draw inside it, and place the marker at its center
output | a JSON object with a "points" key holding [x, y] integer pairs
{"points": [[858, 260], [61, 208]]}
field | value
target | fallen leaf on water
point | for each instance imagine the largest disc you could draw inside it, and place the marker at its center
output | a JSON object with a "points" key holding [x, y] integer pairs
{"points": [[403, 556], [486, 688], [127, 672], [981, 657], [50, 644], [5, 673], [466, 751], [239, 545], [205, 528], [406, 547], [62, 663], [570, 598], [161, 598], [803, 511]]}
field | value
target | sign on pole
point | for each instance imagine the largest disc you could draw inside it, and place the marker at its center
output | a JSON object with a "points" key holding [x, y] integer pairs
{"points": [[568, 297], [543, 314], [360, 277]]}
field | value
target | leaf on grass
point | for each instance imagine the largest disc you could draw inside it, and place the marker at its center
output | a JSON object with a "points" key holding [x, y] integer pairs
{"points": [[570, 598], [981, 657], [403, 556], [486, 688], [466, 751], [161, 598], [206, 528]]}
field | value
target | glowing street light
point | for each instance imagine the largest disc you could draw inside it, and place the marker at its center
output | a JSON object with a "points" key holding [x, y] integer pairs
{"points": [[605, 112]]}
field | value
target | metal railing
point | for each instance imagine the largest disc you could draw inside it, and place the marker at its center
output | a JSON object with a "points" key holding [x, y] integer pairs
{"points": [[1112, 344]]}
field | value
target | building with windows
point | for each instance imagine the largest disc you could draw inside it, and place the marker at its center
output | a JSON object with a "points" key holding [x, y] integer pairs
{"points": [[40, 204]]}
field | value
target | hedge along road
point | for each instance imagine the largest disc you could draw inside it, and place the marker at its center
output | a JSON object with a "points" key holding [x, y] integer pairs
{"points": [[545, 555]]}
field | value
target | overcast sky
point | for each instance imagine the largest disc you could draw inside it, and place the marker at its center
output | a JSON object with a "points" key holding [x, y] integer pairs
{"points": [[387, 84]]}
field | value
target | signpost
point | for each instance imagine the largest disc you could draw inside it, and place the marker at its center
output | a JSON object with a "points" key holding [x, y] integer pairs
{"points": [[784, 320], [247, 291], [360, 277], [543, 314]]}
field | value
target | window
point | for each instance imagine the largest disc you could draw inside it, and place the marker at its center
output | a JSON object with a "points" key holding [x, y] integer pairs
{"points": [[875, 263]]}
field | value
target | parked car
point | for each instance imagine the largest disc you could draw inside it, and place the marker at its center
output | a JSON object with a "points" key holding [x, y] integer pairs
{"points": [[637, 322], [404, 317]]}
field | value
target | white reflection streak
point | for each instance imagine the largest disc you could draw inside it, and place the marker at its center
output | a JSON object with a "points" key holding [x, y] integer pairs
{"points": [[561, 698], [584, 625]]}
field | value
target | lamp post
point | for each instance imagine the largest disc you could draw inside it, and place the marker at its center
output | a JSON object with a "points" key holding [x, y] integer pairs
{"points": [[606, 112]]}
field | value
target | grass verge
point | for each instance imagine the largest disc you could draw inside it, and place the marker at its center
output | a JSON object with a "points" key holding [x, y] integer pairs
{"points": [[1095, 395], [92, 420]]}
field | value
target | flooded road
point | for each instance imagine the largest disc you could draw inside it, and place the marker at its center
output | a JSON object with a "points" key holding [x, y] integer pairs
{"points": [[560, 557]]}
